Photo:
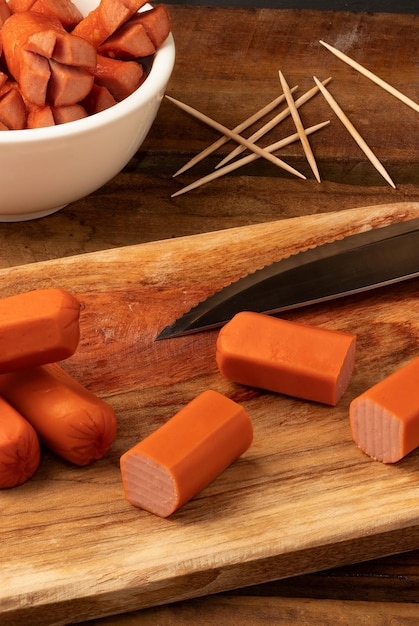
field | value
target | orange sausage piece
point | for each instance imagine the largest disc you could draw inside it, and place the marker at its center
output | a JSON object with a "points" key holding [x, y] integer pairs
{"points": [[384, 419], [98, 99], [173, 464], [65, 10], [12, 107], [105, 19], [70, 113], [33, 78], [39, 116], [129, 42], [157, 24], [122, 78], [70, 420], [31, 71], [298, 360], [34, 46], [38, 327], [20, 453], [68, 85], [62, 48]]}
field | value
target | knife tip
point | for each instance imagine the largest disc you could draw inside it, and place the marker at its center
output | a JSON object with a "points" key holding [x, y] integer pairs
{"points": [[166, 333]]}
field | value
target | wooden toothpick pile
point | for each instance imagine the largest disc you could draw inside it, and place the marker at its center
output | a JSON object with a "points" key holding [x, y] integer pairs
{"points": [[228, 165]]}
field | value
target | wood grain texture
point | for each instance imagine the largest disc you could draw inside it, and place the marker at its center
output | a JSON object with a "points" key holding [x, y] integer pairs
{"points": [[302, 498], [257, 611], [237, 77]]}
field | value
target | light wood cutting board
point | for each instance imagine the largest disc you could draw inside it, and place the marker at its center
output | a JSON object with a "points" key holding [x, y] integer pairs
{"points": [[302, 498]]}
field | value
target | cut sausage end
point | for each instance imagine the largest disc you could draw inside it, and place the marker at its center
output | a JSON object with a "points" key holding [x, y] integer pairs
{"points": [[121, 78], [98, 99], [169, 467], [377, 432], [156, 22], [68, 85], [384, 420], [12, 108], [64, 10], [34, 77], [144, 478], [128, 42], [40, 117], [345, 369]]}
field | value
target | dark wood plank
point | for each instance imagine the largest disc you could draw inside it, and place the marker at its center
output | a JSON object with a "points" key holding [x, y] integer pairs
{"points": [[259, 611]]}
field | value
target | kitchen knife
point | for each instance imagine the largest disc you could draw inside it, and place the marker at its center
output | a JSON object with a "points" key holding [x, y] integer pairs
{"points": [[356, 263]]}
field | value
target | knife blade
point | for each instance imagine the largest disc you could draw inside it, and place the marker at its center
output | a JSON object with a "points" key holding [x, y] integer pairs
{"points": [[356, 263]]}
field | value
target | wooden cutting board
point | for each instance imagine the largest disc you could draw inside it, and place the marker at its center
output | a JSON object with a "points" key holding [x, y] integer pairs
{"points": [[301, 499]]}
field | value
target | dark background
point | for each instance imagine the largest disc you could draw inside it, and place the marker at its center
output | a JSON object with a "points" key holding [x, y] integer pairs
{"points": [[382, 6]]}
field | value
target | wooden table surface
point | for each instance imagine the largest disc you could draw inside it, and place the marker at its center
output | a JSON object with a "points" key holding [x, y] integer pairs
{"points": [[227, 66]]}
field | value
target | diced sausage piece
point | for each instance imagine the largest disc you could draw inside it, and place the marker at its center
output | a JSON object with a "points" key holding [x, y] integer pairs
{"points": [[70, 420], [65, 10], [31, 42], [298, 360], [71, 113], [3, 79], [20, 452], [105, 19], [384, 419], [3, 126], [122, 78], [38, 327], [170, 466], [33, 77], [40, 116], [129, 42], [74, 51], [68, 85], [12, 107], [99, 99], [15, 34], [4, 12], [157, 24], [42, 43], [63, 48]]}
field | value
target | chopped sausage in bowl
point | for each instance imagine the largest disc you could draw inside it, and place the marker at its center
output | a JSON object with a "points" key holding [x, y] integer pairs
{"points": [[81, 82]]}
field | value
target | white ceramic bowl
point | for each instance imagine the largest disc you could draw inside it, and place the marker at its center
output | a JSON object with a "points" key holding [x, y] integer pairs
{"points": [[44, 169]]}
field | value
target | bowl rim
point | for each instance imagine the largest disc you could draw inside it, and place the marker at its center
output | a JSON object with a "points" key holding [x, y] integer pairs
{"points": [[153, 86]]}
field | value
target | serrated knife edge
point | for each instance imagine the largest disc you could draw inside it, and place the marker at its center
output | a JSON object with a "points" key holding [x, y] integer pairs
{"points": [[337, 246]]}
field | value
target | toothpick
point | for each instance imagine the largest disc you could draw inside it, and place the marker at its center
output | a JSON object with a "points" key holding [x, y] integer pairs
{"points": [[247, 159], [353, 131], [299, 126], [237, 129], [379, 81], [272, 123], [245, 142]]}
